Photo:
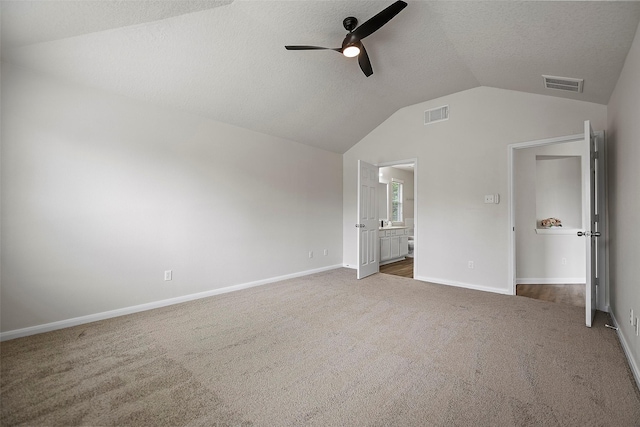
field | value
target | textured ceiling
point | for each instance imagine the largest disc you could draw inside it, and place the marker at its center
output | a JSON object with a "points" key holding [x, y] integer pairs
{"points": [[229, 63]]}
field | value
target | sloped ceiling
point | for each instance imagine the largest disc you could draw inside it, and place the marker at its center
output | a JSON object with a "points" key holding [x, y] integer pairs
{"points": [[226, 60]]}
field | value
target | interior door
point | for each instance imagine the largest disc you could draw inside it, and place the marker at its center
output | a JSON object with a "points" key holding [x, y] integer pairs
{"points": [[368, 259], [590, 206]]}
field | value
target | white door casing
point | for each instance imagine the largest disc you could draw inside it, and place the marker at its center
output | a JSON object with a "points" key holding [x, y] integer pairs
{"points": [[367, 225]]}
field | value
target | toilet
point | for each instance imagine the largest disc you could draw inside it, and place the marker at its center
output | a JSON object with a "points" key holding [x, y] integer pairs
{"points": [[409, 223], [410, 241]]}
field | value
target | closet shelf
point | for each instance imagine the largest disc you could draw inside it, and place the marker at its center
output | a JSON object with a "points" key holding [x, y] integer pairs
{"points": [[558, 230]]}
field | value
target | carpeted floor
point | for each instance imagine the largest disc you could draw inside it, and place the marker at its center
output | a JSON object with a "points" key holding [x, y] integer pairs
{"points": [[327, 350]]}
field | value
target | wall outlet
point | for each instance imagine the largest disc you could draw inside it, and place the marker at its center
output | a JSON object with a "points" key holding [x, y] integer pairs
{"points": [[167, 275], [564, 261], [310, 254], [489, 198], [470, 264], [631, 316], [326, 252]]}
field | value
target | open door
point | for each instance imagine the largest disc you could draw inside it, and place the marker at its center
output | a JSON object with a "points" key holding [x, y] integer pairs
{"points": [[590, 208], [368, 261]]}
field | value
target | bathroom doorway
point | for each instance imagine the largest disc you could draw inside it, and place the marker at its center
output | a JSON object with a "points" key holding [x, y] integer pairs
{"points": [[397, 212]]}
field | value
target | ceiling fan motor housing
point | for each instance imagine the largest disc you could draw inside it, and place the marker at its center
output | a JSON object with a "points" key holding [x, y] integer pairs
{"points": [[350, 23]]}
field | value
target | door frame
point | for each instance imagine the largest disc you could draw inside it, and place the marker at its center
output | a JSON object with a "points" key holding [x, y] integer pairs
{"points": [[414, 161], [602, 297]]}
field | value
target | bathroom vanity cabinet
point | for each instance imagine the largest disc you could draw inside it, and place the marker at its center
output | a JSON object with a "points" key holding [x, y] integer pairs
{"points": [[394, 243]]}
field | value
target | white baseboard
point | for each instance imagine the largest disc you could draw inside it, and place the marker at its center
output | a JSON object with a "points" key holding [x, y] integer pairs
{"points": [[627, 351], [47, 327], [552, 281], [353, 267], [463, 285]]}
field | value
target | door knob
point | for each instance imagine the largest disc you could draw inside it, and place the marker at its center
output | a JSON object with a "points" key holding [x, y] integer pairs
{"points": [[589, 233]]}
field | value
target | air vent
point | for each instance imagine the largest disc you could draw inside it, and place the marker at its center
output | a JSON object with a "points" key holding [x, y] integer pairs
{"points": [[563, 83], [436, 115]]}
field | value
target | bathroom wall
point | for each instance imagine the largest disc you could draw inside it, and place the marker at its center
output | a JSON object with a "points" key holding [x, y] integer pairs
{"points": [[387, 174], [548, 258]]}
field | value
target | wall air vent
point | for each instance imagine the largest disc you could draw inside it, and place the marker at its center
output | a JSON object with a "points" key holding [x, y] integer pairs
{"points": [[436, 115], [563, 83]]}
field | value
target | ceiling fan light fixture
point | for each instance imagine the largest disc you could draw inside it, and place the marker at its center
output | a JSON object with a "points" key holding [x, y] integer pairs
{"points": [[351, 51]]}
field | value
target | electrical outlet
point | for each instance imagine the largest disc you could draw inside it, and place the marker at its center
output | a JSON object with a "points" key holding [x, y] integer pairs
{"points": [[310, 254], [470, 264], [167, 275], [489, 198], [326, 252], [631, 316], [564, 261]]}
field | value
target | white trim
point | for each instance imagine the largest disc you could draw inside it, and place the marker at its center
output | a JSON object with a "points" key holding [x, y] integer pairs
{"points": [[462, 285], [353, 267], [552, 281], [47, 327], [397, 162], [511, 280], [627, 351]]}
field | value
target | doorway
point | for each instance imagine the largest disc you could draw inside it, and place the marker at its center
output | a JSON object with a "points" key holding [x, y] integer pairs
{"points": [[552, 184], [397, 211]]}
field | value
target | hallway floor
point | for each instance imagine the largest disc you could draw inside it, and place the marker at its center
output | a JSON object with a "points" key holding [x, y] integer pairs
{"points": [[563, 294]]}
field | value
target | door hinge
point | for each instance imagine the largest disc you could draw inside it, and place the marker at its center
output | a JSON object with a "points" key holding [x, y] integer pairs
{"points": [[597, 281], [596, 155], [597, 218]]}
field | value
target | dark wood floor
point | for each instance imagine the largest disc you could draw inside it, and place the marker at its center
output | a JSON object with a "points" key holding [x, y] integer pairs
{"points": [[402, 268], [563, 294]]}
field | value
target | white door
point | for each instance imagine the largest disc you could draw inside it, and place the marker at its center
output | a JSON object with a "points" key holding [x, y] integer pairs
{"points": [[590, 209], [368, 261]]}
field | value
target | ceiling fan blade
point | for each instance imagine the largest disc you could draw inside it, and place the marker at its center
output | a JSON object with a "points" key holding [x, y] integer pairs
{"points": [[365, 63], [374, 24], [337, 49]]}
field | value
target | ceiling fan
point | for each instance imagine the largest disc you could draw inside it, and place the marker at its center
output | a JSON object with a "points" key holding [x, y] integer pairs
{"points": [[352, 44]]}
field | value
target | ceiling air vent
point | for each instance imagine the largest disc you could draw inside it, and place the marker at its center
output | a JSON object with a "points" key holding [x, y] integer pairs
{"points": [[436, 115], [563, 83]]}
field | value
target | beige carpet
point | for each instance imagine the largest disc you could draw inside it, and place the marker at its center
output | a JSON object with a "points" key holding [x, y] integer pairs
{"points": [[327, 350]]}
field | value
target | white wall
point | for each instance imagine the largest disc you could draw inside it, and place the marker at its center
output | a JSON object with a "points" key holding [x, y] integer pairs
{"points": [[459, 161], [539, 256], [389, 173], [101, 194], [559, 190], [623, 163]]}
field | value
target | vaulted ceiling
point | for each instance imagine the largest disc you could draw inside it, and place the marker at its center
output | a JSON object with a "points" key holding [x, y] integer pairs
{"points": [[226, 59]]}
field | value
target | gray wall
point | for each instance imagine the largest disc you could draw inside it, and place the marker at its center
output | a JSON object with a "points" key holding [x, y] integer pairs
{"points": [[101, 194], [539, 256], [623, 158], [459, 161]]}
